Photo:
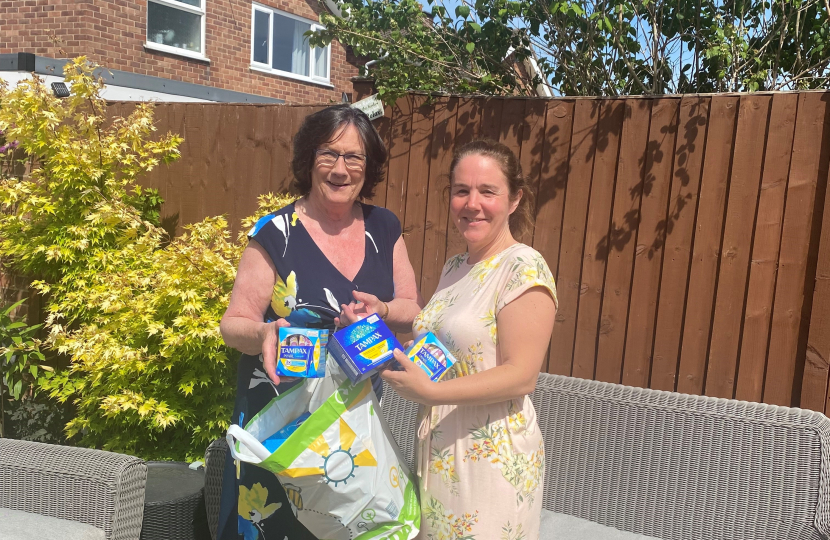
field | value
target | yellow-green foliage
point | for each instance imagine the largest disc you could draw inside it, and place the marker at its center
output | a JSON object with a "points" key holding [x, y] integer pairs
{"points": [[136, 312]]}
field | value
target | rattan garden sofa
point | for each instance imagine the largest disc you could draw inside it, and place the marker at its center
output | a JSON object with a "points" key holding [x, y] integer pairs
{"points": [[68, 493], [625, 463]]}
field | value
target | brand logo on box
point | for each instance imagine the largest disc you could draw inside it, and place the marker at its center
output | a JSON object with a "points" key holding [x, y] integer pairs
{"points": [[368, 341]]}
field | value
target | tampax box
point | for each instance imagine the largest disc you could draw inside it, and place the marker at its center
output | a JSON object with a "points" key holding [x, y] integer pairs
{"points": [[302, 352], [275, 441], [431, 355], [363, 347]]}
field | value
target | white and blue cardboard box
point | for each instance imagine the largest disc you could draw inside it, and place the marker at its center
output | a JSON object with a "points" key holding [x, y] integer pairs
{"points": [[363, 347], [302, 352], [431, 355]]}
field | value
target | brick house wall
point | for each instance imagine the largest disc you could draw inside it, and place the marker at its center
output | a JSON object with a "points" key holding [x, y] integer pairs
{"points": [[112, 33]]}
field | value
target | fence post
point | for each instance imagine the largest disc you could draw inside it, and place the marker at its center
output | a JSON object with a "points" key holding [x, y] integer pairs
{"points": [[817, 361], [363, 87]]}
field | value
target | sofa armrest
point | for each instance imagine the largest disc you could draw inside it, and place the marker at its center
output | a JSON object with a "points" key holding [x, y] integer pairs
{"points": [[102, 489], [215, 456], [678, 466]]}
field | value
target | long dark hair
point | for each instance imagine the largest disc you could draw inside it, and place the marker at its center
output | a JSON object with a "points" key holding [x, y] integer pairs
{"points": [[319, 128]]}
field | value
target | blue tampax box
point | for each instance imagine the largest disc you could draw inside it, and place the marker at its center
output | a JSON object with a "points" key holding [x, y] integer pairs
{"points": [[301, 352], [363, 347], [277, 439], [431, 355]]}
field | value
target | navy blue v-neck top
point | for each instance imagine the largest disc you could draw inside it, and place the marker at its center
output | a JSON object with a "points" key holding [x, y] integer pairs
{"points": [[309, 289]]}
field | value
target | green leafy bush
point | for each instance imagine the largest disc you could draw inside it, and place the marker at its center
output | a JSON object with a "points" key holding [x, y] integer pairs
{"points": [[137, 312], [19, 354], [37, 418], [20, 360]]}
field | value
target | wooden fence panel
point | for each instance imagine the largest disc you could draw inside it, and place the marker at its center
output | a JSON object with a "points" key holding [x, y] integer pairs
{"points": [[418, 181], [491, 124], [679, 230], [384, 127], [201, 199], [707, 241], [583, 149], [684, 234], [396, 179], [513, 122], [765, 246], [245, 199], [178, 120], [596, 239], [814, 386], [437, 212], [809, 156], [742, 203], [553, 177], [651, 237], [622, 239], [530, 156]]}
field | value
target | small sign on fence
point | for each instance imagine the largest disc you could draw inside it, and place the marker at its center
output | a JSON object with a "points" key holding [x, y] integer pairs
{"points": [[372, 106]]}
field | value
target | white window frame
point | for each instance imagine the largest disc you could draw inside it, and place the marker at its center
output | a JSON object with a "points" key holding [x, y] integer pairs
{"points": [[200, 10], [267, 67]]}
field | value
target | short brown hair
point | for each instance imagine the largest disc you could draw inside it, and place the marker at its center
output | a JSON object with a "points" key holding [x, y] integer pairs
{"points": [[319, 128], [521, 220]]}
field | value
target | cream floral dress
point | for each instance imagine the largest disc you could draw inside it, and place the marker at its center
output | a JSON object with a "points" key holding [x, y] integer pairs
{"points": [[481, 468]]}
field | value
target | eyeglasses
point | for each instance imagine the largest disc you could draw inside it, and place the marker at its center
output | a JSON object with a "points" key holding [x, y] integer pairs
{"points": [[327, 158]]}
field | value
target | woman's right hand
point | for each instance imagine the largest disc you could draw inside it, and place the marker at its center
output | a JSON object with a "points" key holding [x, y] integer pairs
{"points": [[363, 305], [270, 341]]}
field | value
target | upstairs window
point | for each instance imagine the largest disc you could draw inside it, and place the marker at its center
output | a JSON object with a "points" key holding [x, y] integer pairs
{"points": [[279, 46], [177, 27]]}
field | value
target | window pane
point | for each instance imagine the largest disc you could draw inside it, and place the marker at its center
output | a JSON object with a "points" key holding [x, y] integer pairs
{"points": [[321, 60], [261, 36], [290, 46], [174, 27]]}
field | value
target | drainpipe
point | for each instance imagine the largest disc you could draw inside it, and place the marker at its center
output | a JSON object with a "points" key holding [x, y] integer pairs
{"points": [[373, 62]]}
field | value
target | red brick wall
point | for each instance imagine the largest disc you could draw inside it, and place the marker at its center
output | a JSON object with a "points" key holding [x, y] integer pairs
{"points": [[113, 32]]}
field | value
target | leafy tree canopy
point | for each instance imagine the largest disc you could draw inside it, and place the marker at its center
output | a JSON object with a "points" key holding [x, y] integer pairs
{"points": [[587, 47]]}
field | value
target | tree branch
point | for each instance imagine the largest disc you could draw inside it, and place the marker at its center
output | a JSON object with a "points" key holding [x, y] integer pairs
{"points": [[625, 56]]}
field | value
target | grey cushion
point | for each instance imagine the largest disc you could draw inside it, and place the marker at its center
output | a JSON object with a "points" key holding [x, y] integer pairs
{"points": [[17, 525], [556, 526]]}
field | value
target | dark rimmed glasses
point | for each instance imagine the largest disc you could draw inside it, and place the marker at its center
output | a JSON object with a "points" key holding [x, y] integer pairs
{"points": [[327, 158]]}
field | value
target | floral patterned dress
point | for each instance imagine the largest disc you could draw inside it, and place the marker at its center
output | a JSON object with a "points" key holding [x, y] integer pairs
{"points": [[481, 467]]}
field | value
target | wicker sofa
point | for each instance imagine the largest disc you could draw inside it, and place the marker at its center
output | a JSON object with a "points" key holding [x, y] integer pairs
{"points": [[67, 493], [625, 463]]}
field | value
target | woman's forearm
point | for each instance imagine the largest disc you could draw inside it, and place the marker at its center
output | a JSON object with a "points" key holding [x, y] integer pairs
{"points": [[402, 311], [243, 334], [495, 385]]}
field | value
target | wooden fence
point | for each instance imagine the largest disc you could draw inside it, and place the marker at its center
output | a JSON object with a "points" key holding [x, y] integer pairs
{"points": [[685, 233]]}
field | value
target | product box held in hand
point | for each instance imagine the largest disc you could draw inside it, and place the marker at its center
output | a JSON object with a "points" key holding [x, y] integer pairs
{"points": [[431, 355], [363, 347], [302, 352]]}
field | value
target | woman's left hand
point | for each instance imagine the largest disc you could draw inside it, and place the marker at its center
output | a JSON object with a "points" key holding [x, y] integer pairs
{"points": [[411, 382]]}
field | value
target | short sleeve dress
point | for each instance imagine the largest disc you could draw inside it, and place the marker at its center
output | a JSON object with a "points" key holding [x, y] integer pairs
{"points": [[308, 294], [481, 467]]}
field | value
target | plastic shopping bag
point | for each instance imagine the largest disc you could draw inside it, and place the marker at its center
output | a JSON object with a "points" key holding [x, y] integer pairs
{"points": [[342, 470]]}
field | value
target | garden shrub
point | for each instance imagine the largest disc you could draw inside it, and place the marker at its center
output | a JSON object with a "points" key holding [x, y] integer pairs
{"points": [[136, 311]]}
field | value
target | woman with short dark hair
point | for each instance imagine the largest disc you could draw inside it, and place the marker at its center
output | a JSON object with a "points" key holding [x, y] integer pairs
{"points": [[323, 261]]}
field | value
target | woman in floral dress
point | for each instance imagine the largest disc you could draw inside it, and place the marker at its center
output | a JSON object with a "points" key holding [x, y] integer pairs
{"points": [[480, 455]]}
